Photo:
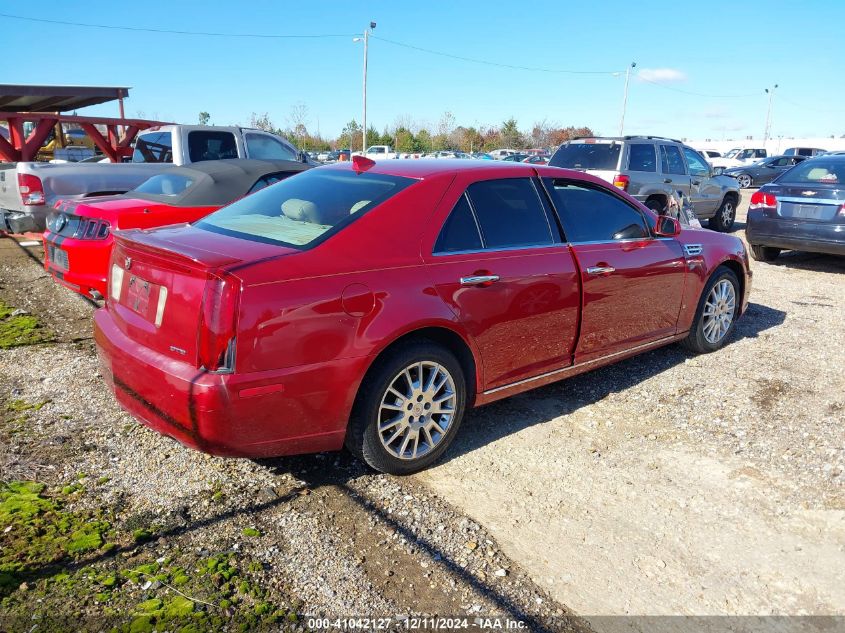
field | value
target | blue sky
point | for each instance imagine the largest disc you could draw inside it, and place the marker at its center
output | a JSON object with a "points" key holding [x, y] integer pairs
{"points": [[728, 52]]}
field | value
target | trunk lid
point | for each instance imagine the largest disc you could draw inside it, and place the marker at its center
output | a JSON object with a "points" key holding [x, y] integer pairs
{"points": [[176, 290], [808, 202]]}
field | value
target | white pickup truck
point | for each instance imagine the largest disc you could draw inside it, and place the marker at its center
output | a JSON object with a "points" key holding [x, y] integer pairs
{"points": [[28, 190], [379, 152]]}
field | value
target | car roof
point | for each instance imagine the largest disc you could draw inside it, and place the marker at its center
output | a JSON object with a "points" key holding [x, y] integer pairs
{"points": [[426, 168]]}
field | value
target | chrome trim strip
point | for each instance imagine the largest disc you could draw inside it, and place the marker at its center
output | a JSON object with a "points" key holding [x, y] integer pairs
{"points": [[500, 250], [815, 201], [579, 365]]}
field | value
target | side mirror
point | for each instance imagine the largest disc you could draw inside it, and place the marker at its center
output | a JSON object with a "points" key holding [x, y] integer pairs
{"points": [[667, 226]]}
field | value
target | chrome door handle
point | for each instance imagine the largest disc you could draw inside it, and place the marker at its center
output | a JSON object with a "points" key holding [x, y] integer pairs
{"points": [[667, 180], [475, 280], [600, 270]]}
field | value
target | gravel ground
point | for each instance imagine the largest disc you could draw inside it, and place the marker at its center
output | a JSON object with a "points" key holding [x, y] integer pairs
{"points": [[334, 538]]}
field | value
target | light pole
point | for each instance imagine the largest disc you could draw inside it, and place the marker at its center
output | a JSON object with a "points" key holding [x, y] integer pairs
{"points": [[771, 94], [366, 40], [625, 97]]}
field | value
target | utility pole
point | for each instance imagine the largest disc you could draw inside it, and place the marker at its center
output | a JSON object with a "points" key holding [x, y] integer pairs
{"points": [[625, 97], [771, 94], [366, 40]]}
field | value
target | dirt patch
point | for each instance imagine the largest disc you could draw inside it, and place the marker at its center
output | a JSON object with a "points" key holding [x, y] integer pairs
{"points": [[770, 393]]}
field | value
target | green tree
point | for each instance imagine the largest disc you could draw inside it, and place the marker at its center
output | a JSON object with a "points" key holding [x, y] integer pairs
{"points": [[423, 141], [373, 137], [404, 139], [511, 136], [350, 137], [204, 118]]}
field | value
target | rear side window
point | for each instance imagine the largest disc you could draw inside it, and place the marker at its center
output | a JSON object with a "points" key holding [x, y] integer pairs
{"points": [[593, 215], [165, 185], [266, 147], [509, 213], [642, 157], [459, 232], [304, 210], [153, 148], [600, 156], [671, 160], [203, 145]]}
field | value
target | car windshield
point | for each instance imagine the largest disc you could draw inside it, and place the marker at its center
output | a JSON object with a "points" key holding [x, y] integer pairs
{"points": [[819, 171], [587, 156], [305, 209], [732, 153]]}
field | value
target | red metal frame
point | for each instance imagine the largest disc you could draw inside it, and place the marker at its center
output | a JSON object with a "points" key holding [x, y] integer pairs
{"points": [[114, 145]]}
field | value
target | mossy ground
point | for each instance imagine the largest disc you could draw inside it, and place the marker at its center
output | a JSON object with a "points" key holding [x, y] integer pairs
{"points": [[21, 329], [62, 569]]}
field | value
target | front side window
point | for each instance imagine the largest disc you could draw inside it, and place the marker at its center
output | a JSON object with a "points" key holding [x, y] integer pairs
{"points": [[671, 160], [509, 213], [592, 215], [156, 147], [165, 185], [459, 232], [642, 157], [262, 146], [205, 145], [697, 165], [304, 210]]}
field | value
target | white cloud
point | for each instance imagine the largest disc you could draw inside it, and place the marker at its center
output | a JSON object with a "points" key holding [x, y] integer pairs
{"points": [[662, 75]]}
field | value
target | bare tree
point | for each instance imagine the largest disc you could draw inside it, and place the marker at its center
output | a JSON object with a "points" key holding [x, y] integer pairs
{"points": [[261, 122]]}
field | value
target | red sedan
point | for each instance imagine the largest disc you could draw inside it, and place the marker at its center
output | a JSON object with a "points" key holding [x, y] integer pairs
{"points": [[78, 239], [370, 304]]}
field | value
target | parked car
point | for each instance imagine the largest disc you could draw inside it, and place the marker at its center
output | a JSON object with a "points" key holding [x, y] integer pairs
{"points": [[803, 210], [377, 152], [499, 154], [29, 190], [537, 159], [651, 168], [515, 158], [339, 155], [738, 157], [804, 151], [709, 153], [762, 171], [79, 236], [370, 304], [482, 156]]}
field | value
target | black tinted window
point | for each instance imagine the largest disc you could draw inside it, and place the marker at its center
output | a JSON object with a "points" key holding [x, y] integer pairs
{"points": [[459, 232], [671, 160], [509, 213], [266, 181], [642, 157], [593, 215], [211, 146], [153, 148], [587, 156]]}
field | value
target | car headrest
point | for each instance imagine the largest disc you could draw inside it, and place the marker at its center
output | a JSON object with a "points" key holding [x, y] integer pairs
{"points": [[302, 210], [819, 173]]}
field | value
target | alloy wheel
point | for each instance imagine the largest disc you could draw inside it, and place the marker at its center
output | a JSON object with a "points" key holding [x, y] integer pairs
{"points": [[417, 410], [727, 213], [744, 181], [719, 311]]}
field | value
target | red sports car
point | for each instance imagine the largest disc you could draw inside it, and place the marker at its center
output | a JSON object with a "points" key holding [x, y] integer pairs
{"points": [[370, 304], [78, 239]]}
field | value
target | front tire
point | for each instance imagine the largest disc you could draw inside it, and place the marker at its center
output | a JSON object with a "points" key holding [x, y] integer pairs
{"points": [[764, 253], [715, 317], [724, 219], [408, 408], [744, 181]]}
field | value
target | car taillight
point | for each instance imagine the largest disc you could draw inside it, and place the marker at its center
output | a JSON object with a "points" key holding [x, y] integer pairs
{"points": [[621, 181], [92, 229], [216, 344], [31, 190], [763, 200], [115, 282]]}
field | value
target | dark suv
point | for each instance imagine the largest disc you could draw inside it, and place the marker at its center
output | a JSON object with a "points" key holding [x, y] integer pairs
{"points": [[651, 168]]}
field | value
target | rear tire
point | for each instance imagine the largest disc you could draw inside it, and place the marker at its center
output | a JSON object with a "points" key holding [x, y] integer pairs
{"points": [[408, 408], [764, 253], [715, 317], [724, 219]]}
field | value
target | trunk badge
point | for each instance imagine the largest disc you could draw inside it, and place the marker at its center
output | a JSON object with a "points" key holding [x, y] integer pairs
{"points": [[808, 193], [127, 263]]}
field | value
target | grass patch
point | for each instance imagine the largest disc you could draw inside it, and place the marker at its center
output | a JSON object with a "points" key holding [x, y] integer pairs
{"points": [[21, 329]]}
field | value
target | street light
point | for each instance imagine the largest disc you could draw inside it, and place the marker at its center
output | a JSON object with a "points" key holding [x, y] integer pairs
{"points": [[366, 40], [771, 94], [625, 97]]}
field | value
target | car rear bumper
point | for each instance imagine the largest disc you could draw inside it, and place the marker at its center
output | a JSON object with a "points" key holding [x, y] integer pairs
{"points": [[799, 235], [263, 414], [88, 262], [33, 220]]}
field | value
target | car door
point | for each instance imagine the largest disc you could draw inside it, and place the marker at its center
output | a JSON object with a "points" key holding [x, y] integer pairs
{"points": [[632, 282], [675, 175], [705, 193], [771, 169], [496, 257]]}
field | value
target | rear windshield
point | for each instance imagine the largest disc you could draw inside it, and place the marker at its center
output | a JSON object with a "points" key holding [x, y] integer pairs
{"points": [[816, 171], [305, 209], [602, 156], [165, 185]]}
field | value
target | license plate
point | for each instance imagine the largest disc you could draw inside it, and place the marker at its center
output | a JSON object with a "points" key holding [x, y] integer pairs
{"points": [[807, 211], [138, 294], [58, 257]]}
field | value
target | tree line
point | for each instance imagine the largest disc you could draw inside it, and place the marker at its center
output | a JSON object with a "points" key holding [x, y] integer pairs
{"points": [[406, 135]]}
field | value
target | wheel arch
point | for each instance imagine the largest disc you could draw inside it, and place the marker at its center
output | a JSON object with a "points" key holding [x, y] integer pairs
{"points": [[737, 269]]}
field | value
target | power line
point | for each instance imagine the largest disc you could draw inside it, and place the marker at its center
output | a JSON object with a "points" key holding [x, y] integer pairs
{"points": [[809, 107], [175, 32], [696, 94], [497, 64]]}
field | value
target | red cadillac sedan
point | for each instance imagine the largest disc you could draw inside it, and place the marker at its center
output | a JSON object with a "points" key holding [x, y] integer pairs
{"points": [[78, 239], [370, 304]]}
